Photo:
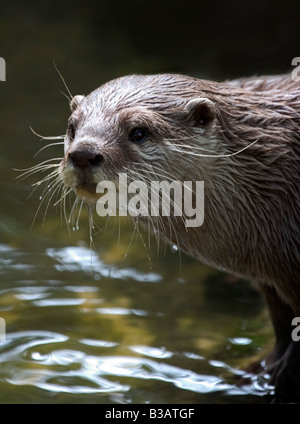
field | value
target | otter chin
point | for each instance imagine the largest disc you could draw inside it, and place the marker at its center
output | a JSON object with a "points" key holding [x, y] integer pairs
{"points": [[242, 138], [87, 195]]}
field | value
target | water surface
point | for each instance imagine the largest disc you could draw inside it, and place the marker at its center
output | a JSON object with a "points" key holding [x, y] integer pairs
{"points": [[122, 324]]}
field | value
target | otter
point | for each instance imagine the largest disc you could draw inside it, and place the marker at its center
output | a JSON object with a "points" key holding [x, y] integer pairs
{"points": [[242, 138]]}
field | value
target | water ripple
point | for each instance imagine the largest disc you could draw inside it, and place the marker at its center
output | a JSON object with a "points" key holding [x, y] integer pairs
{"points": [[75, 371], [127, 360], [74, 259]]}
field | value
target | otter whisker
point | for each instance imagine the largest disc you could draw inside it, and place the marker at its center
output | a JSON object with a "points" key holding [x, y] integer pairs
{"points": [[91, 229], [78, 215], [50, 137], [40, 164], [43, 198], [216, 155], [46, 178], [54, 189], [131, 171], [67, 191], [33, 171], [45, 147], [160, 220], [130, 242], [183, 141], [196, 147], [176, 208], [71, 219], [64, 194], [64, 82], [144, 244], [50, 177], [134, 233]]}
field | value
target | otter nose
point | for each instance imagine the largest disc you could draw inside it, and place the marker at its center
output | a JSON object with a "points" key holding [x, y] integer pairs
{"points": [[85, 158]]}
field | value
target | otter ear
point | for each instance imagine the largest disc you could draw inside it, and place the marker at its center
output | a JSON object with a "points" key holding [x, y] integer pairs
{"points": [[201, 111], [75, 102]]}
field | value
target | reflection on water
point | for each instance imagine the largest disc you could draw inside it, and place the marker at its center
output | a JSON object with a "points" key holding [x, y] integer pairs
{"points": [[82, 329], [77, 372], [83, 259]]}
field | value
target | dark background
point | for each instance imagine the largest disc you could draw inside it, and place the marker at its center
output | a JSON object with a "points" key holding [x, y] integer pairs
{"points": [[94, 41], [213, 39]]}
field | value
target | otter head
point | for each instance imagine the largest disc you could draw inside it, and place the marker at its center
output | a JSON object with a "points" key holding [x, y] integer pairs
{"points": [[139, 125]]}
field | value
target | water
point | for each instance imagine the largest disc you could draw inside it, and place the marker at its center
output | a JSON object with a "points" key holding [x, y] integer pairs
{"points": [[116, 320], [83, 328]]}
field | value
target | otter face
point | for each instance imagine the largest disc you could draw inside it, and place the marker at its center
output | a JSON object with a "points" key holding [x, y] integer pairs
{"points": [[139, 125]]}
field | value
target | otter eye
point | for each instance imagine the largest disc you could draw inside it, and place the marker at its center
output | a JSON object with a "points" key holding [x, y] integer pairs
{"points": [[137, 135], [71, 132]]}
